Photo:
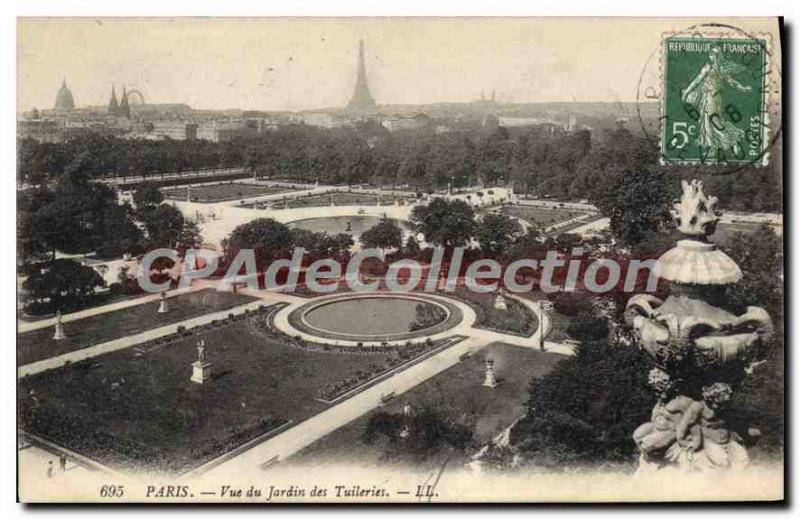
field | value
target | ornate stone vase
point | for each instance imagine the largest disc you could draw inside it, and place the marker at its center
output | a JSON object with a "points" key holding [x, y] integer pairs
{"points": [[701, 351]]}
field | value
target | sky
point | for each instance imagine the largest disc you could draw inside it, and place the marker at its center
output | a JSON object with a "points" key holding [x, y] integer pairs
{"points": [[310, 63]]}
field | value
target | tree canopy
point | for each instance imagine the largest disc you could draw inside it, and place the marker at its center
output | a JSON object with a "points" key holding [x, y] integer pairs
{"points": [[585, 410], [448, 223], [77, 216], [164, 226], [147, 195], [383, 235], [539, 159], [63, 285], [496, 233], [266, 235]]}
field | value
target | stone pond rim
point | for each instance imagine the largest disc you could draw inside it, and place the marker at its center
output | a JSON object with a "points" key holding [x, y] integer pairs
{"points": [[299, 318]]}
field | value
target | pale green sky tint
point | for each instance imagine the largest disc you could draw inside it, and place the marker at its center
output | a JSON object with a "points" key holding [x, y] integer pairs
{"points": [[296, 64]]}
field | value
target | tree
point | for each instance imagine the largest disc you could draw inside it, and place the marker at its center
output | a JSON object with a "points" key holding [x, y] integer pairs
{"points": [[339, 243], [32, 239], [63, 285], [253, 160], [760, 399], [449, 223], [496, 233], [412, 246], [588, 327], [641, 206], [268, 237], [572, 304], [147, 196], [189, 236], [760, 257], [585, 410], [120, 233], [383, 235], [164, 226], [80, 216]]}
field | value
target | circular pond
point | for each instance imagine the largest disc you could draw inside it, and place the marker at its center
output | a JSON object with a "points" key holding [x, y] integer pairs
{"points": [[375, 317]]}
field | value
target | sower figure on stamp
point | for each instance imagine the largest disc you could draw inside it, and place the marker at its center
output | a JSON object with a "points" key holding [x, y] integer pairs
{"points": [[705, 92]]}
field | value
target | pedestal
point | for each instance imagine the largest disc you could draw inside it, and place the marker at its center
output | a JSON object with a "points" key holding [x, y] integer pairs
{"points": [[500, 303], [59, 333], [163, 307], [490, 380], [201, 372]]}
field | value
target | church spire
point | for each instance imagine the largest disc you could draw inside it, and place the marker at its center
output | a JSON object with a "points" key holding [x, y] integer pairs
{"points": [[362, 100], [113, 105], [124, 107]]}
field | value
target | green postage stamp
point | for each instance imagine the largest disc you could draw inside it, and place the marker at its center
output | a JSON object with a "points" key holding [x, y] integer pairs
{"points": [[714, 101]]}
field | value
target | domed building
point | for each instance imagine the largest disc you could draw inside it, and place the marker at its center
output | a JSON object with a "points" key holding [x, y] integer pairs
{"points": [[64, 100]]}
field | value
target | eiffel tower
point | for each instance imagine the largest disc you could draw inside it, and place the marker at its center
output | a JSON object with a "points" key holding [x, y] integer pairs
{"points": [[362, 100]]}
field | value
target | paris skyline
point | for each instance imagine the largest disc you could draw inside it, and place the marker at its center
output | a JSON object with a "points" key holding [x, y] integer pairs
{"points": [[276, 64]]}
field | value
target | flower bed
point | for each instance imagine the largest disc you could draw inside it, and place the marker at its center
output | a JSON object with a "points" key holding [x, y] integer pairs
{"points": [[365, 378], [517, 319], [399, 355]]}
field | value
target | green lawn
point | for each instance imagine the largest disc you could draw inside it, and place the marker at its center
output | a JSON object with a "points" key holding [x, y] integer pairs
{"points": [[456, 392], [39, 344], [144, 411], [222, 192], [343, 199]]}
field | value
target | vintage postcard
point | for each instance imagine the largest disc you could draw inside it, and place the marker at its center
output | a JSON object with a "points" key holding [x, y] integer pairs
{"points": [[399, 260]]}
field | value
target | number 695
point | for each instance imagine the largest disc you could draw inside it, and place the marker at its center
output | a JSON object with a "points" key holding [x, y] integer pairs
{"points": [[112, 491]]}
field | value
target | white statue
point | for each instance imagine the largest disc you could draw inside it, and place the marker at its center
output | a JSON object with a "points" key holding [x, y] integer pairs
{"points": [[59, 332]]}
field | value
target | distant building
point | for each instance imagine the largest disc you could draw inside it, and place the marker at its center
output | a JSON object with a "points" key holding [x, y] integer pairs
{"points": [[99, 124], [362, 100], [158, 130], [64, 100], [223, 131], [162, 110], [515, 122], [320, 119], [417, 122]]}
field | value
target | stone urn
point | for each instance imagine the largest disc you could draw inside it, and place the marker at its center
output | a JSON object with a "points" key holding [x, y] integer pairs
{"points": [[701, 352]]}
